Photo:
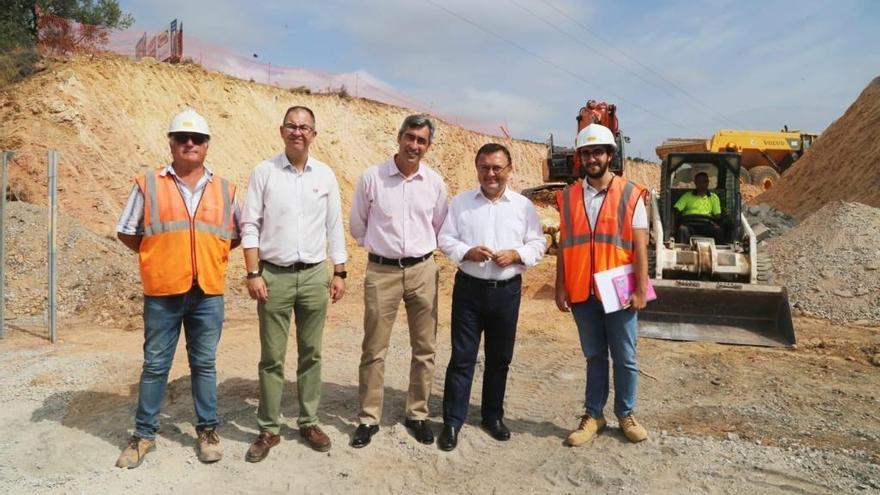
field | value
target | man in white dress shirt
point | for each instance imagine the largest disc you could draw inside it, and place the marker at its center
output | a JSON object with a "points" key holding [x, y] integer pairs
{"points": [[292, 215], [494, 234]]}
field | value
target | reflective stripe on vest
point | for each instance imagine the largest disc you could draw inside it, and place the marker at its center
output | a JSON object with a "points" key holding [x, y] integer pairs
{"points": [[587, 250], [176, 248]]}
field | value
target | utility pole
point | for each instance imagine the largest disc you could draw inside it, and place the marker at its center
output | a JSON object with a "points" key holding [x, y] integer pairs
{"points": [[52, 308], [7, 157]]}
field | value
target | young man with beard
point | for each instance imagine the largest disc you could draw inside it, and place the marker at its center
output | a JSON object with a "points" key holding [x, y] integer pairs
{"points": [[603, 225]]}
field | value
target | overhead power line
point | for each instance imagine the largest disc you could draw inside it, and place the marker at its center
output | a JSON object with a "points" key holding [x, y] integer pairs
{"points": [[647, 68], [556, 66]]}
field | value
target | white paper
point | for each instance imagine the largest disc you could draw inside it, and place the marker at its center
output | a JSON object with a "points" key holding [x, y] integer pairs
{"points": [[605, 286]]}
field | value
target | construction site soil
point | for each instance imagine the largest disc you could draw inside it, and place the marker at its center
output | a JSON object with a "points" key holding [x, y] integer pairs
{"points": [[722, 419], [843, 165]]}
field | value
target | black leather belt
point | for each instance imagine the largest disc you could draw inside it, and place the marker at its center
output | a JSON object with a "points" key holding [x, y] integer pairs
{"points": [[401, 262], [491, 284], [299, 265]]}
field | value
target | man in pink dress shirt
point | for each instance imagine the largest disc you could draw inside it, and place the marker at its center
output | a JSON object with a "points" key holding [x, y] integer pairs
{"points": [[398, 208]]}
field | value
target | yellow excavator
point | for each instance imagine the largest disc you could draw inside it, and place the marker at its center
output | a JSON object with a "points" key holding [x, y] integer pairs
{"points": [[764, 154], [714, 288]]}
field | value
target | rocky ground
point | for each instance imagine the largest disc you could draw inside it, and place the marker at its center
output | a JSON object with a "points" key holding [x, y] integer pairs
{"points": [[767, 222], [719, 421], [723, 419]]}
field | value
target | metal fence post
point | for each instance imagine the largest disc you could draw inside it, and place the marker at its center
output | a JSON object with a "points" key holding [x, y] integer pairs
{"points": [[53, 216], [7, 157]]}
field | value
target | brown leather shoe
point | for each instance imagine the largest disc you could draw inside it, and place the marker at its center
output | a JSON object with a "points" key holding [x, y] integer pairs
{"points": [[316, 438], [261, 446]]}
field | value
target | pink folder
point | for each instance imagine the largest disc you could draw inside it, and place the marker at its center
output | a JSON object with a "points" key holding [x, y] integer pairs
{"points": [[625, 284]]}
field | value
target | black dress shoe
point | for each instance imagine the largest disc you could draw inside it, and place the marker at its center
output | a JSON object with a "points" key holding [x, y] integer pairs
{"points": [[363, 435], [497, 429], [448, 438], [421, 430]]}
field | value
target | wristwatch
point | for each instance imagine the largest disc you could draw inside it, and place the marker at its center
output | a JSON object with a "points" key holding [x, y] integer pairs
{"points": [[341, 274], [251, 275]]}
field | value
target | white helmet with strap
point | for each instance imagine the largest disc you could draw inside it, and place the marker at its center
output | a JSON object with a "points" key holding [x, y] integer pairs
{"points": [[593, 135]]}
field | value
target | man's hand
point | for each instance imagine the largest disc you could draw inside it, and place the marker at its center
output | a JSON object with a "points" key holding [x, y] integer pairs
{"points": [[479, 254], [257, 289], [637, 300], [337, 288], [507, 257], [562, 300]]}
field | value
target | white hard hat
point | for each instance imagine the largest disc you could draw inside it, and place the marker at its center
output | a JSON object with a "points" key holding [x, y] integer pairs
{"points": [[594, 134], [189, 121]]}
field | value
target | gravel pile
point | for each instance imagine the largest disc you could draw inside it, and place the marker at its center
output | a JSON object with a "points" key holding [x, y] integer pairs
{"points": [[830, 263], [775, 221], [96, 275]]}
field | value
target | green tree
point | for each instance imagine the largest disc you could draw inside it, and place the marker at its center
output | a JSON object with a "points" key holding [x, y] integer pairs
{"points": [[18, 19]]}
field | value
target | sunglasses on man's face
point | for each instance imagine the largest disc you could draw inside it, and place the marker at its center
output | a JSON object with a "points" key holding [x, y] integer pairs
{"points": [[185, 137]]}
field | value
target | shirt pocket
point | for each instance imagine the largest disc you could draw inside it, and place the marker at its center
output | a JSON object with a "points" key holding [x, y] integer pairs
{"points": [[422, 202]]}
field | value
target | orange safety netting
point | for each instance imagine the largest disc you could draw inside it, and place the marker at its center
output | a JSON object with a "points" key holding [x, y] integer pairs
{"points": [[61, 36]]}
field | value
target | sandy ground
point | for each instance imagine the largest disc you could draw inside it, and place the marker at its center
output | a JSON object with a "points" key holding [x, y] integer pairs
{"points": [[723, 419]]}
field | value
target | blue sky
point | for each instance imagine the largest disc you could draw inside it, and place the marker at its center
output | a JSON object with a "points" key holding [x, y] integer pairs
{"points": [[674, 69]]}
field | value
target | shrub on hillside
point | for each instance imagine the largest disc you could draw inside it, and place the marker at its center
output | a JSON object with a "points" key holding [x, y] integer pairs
{"points": [[18, 63]]}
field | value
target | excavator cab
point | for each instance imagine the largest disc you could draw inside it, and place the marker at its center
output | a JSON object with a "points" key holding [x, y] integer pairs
{"points": [[710, 289]]}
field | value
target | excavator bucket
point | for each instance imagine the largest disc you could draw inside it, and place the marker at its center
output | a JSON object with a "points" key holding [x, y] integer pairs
{"points": [[723, 312]]}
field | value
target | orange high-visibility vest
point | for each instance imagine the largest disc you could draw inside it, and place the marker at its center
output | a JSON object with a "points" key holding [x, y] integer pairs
{"points": [[585, 251], [178, 250]]}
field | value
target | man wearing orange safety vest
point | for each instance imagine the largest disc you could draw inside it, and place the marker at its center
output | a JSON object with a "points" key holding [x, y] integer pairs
{"points": [[182, 221], [603, 225]]}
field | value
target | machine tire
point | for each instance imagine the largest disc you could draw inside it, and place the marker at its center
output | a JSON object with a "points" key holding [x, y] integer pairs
{"points": [[765, 269], [764, 176]]}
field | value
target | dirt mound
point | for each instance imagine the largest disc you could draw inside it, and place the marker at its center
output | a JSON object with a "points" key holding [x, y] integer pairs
{"points": [[644, 173], [830, 262], [844, 164], [96, 274], [107, 116]]}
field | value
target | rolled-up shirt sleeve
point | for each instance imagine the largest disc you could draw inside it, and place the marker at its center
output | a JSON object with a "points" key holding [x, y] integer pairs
{"points": [[534, 243], [252, 213], [360, 210], [131, 221], [335, 232], [449, 239]]}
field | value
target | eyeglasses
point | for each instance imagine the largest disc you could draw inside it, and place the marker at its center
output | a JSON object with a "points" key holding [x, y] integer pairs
{"points": [[185, 137], [301, 128], [495, 169], [595, 152]]}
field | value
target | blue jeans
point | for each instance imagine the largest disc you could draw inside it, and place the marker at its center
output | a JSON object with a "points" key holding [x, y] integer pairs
{"points": [[202, 319], [599, 333]]}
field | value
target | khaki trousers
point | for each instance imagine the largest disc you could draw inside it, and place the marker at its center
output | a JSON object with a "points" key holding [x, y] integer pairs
{"points": [[384, 287]]}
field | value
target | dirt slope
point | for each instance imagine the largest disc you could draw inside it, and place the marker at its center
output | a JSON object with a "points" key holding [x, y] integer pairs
{"points": [[844, 164], [107, 116]]}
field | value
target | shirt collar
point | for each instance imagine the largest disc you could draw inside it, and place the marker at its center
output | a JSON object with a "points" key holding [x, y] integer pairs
{"points": [[285, 162], [590, 187], [393, 170], [169, 169], [505, 196]]}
